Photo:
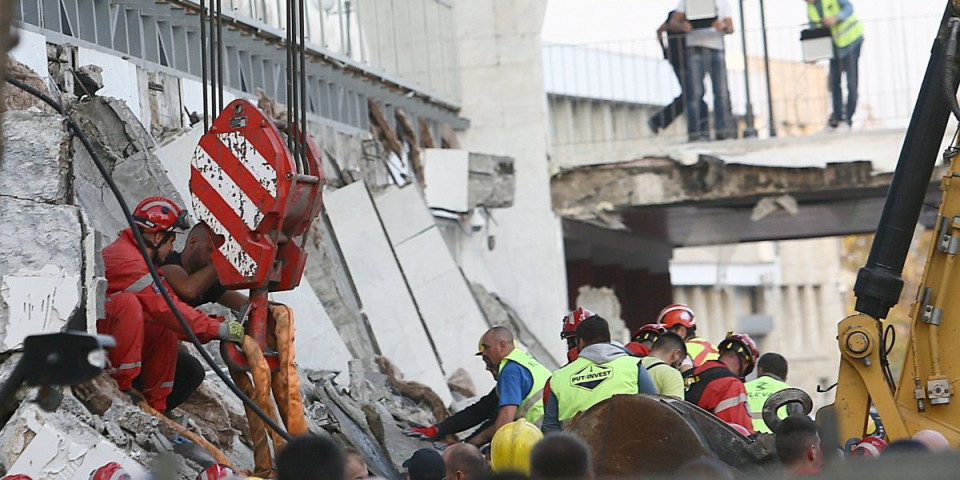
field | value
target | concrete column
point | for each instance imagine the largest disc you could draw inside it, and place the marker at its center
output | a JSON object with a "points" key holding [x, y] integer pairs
{"points": [[502, 93]]}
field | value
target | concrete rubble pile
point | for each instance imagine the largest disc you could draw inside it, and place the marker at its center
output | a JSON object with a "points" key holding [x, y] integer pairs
{"points": [[355, 357]]}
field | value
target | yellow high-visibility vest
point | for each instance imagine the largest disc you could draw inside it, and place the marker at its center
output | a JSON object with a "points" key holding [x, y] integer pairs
{"points": [[843, 33]]}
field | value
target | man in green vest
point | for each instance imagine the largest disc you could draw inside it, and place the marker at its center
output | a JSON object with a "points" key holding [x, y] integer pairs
{"points": [[601, 370], [518, 393], [520, 380], [771, 378], [847, 33]]}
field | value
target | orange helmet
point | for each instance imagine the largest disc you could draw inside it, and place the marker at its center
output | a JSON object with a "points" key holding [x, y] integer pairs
{"points": [[572, 321], [677, 314], [649, 332], [110, 471], [743, 345], [159, 214]]}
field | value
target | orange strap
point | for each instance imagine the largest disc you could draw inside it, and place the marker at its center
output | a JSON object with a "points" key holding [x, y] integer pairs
{"points": [[193, 437], [263, 463], [286, 384]]}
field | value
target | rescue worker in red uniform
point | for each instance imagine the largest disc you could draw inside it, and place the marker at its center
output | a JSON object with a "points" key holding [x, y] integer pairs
{"points": [[717, 385], [679, 318], [137, 316]]}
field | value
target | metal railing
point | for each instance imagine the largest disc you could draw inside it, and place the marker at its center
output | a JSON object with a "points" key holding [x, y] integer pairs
{"points": [[409, 39], [601, 95]]}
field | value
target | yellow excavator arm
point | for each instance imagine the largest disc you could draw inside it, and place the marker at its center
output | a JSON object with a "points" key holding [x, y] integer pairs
{"points": [[923, 398]]}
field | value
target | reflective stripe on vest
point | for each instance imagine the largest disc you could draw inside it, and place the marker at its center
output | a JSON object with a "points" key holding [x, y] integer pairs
{"points": [[531, 408], [583, 383], [843, 33], [135, 287], [701, 350], [758, 391]]}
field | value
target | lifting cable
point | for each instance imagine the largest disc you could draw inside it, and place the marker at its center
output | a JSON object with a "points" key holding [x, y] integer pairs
{"points": [[296, 91], [141, 246]]}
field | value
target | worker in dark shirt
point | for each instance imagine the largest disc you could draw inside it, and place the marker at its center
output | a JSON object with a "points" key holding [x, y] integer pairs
{"points": [[673, 52], [193, 278]]}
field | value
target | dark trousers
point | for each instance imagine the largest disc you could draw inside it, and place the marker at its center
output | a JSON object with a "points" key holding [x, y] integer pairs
{"points": [[848, 65], [666, 115], [701, 62], [188, 377]]}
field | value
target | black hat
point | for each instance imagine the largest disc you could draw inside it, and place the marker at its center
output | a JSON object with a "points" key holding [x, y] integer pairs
{"points": [[425, 464]]}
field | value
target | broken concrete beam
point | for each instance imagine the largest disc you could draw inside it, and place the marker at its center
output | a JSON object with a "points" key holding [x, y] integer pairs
{"points": [[36, 157], [586, 193], [40, 268], [89, 79], [492, 181], [459, 181]]}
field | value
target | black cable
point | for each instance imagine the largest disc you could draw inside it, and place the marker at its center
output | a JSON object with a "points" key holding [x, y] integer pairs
{"points": [[141, 246], [888, 338], [203, 65]]}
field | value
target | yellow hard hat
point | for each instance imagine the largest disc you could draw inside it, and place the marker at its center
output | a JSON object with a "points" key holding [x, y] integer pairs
{"points": [[511, 446]]}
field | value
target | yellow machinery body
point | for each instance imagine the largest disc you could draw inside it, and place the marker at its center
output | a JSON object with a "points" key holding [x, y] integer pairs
{"points": [[924, 396]]}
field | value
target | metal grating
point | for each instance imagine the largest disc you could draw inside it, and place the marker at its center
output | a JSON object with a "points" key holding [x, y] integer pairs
{"points": [[166, 35]]}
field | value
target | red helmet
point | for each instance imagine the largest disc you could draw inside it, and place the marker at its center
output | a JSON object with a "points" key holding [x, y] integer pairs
{"points": [[649, 332], [677, 314], [16, 476], [572, 321], [743, 345], [868, 447], [110, 471], [217, 471], [159, 214]]}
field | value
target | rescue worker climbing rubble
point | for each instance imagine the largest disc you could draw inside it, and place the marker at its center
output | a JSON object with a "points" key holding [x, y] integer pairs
{"points": [[602, 370], [138, 317], [680, 319], [717, 385]]}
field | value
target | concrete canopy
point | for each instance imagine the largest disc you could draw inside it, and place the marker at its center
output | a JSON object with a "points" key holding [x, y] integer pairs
{"points": [[711, 202]]}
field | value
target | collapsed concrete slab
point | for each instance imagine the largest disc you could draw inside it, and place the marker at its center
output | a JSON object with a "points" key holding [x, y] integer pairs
{"points": [[41, 258], [393, 315], [62, 445], [453, 319], [124, 146]]}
